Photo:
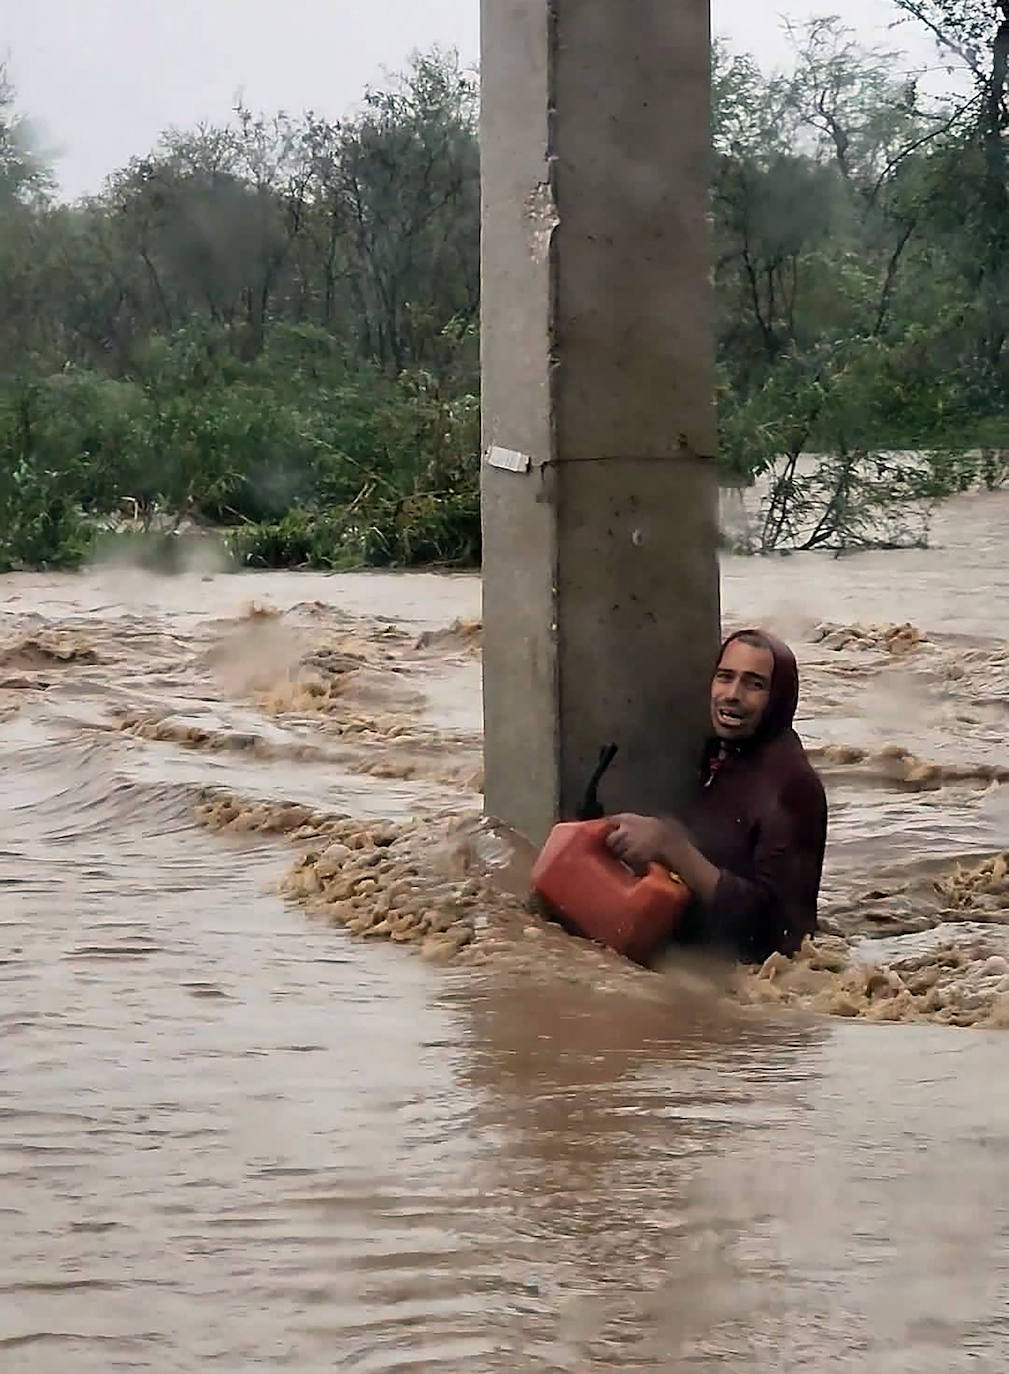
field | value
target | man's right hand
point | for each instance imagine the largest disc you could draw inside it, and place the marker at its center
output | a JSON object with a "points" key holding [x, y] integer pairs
{"points": [[637, 840]]}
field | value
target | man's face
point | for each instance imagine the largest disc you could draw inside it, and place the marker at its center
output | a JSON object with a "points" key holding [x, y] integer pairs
{"points": [[740, 690]]}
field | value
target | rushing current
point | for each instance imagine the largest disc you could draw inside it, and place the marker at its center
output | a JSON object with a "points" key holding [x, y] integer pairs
{"points": [[237, 1137]]}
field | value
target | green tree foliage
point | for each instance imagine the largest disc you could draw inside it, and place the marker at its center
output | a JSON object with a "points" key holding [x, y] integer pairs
{"points": [[861, 283], [271, 325]]}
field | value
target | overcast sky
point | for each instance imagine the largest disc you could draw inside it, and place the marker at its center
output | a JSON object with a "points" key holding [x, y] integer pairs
{"points": [[103, 78]]}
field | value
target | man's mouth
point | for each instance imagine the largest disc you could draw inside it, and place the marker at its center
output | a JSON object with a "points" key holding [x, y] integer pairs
{"points": [[730, 718]]}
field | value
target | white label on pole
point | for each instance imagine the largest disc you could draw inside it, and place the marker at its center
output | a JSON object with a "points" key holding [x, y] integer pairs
{"points": [[509, 459]]}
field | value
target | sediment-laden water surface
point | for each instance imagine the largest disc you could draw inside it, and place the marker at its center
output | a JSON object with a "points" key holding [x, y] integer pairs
{"points": [[290, 1081]]}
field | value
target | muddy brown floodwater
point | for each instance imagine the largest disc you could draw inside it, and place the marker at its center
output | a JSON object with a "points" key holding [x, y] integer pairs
{"points": [[241, 1130]]}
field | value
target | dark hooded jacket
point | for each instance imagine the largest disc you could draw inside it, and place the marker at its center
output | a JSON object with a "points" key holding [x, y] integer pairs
{"points": [[760, 815]]}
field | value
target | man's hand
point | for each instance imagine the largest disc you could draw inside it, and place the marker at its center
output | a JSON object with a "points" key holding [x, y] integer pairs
{"points": [[643, 840]]}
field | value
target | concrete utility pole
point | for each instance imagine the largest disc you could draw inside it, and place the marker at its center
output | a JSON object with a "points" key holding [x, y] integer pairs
{"points": [[599, 495]]}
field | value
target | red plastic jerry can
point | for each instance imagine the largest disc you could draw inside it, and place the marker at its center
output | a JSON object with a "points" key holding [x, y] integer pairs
{"points": [[595, 895]]}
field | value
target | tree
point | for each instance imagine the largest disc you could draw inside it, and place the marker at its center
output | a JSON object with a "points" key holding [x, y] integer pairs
{"points": [[406, 186], [270, 324], [24, 176], [975, 34]]}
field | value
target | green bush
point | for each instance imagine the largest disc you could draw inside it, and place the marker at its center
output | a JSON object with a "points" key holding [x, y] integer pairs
{"points": [[298, 540], [442, 530], [311, 460]]}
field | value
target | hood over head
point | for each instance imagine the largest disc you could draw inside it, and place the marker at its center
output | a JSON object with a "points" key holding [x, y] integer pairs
{"points": [[784, 698]]}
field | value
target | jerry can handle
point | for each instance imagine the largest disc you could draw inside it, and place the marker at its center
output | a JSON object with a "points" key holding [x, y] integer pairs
{"points": [[603, 827]]}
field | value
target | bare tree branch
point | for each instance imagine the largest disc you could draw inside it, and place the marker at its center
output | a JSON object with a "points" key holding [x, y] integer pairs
{"points": [[967, 56]]}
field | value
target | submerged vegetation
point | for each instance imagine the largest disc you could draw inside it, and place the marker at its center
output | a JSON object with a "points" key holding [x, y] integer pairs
{"points": [[271, 327]]}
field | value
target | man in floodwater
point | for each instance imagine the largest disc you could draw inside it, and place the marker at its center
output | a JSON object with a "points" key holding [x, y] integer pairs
{"points": [[751, 848]]}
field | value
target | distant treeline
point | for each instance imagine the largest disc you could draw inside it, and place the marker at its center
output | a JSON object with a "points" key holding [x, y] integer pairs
{"points": [[272, 326]]}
